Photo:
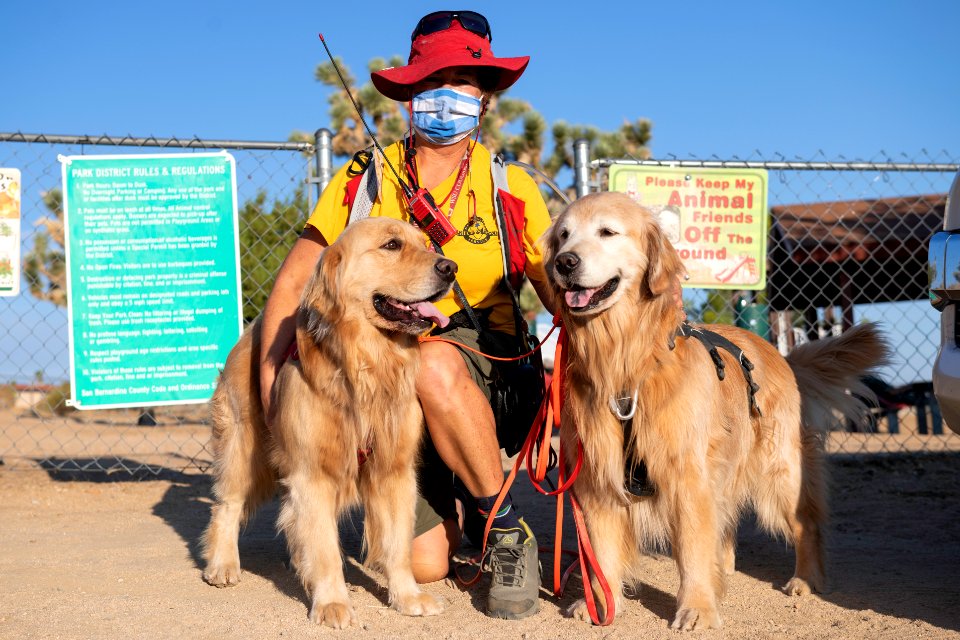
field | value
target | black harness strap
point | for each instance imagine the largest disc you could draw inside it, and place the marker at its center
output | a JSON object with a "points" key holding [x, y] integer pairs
{"points": [[636, 478], [713, 341]]}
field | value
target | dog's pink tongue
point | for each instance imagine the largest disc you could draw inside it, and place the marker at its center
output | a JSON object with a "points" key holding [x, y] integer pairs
{"points": [[427, 310], [579, 298]]}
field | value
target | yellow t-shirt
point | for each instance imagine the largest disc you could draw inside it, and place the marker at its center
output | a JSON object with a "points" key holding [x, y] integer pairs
{"points": [[475, 248]]}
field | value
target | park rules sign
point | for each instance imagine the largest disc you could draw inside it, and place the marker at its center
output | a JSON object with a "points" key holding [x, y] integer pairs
{"points": [[152, 249], [715, 218]]}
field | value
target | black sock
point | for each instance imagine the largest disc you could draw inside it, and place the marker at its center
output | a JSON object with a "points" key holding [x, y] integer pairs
{"points": [[506, 517]]}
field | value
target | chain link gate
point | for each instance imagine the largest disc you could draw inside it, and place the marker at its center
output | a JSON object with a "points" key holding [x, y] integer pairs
{"points": [[816, 206]]}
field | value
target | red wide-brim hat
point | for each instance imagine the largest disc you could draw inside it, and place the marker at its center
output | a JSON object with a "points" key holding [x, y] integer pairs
{"points": [[452, 47]]}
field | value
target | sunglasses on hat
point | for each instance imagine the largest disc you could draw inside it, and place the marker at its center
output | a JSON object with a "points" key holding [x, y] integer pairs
{"points": [[441, 20]]}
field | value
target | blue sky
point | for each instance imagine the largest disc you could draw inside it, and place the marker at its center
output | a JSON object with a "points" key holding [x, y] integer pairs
{"points": [[756, 80], [717, 79]]}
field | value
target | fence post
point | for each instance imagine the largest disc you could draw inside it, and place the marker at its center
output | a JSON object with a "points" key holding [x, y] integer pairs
{"points": [[581, 168], [323, 154]]}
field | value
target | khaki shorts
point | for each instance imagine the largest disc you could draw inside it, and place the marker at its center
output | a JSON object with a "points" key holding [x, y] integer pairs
{"points": [[436, 498]]}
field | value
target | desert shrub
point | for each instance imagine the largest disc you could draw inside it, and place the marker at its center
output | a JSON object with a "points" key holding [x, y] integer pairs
{"points": [[8, 396], [55, 402]]}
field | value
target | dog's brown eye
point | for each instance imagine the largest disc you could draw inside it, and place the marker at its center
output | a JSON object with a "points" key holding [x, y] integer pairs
{"points": [[392, 245], [606, 232]]}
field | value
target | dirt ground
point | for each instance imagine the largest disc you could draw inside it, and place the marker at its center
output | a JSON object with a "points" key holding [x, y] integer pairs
{"points": [[94, 555]]}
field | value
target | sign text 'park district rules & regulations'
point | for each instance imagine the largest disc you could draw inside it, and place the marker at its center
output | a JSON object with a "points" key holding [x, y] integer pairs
{"points": [[153, 271]]}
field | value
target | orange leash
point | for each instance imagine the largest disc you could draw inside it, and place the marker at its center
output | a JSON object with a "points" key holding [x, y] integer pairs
{"points": [[527, 444], [589, 566], [541, 433], [487, 355]]}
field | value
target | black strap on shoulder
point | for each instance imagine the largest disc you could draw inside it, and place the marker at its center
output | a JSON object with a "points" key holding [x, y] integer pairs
{"points": [[713, 341], [462, 297], [360, 162]]}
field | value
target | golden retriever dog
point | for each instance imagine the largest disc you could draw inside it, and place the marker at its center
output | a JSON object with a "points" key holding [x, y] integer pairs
{"points": [[710, 447], [349, 395]]}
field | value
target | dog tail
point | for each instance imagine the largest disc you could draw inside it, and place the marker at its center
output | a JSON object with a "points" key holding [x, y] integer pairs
{"points": [[829, 373]]}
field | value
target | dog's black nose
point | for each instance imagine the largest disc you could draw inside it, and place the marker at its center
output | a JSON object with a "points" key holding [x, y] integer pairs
{"points": [[566, 263], [446, 269]]}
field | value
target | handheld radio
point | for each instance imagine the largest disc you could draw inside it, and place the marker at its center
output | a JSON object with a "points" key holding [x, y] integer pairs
{"points": [[420, 203]]}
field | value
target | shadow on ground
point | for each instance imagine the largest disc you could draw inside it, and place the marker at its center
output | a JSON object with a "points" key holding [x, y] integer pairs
{"points": [[894, 536], [893, 542]]}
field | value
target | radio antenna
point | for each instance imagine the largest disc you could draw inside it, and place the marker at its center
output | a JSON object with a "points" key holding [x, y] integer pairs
{"points": [[406, 189], [420, 203]]}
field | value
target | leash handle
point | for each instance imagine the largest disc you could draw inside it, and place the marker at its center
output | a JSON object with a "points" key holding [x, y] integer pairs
{"points": [[544, 416]]}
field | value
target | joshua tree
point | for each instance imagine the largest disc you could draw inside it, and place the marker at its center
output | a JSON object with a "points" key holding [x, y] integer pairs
{"points": [[44, 267]]}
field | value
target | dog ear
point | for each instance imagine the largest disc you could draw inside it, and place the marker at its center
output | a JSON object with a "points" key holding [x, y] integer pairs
{"points": [[664, 268], [320, 310], [548, 242], [321, 305], [328, 270]]}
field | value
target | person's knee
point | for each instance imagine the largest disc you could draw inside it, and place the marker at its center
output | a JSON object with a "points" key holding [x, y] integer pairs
{"points": [[430, 558], [442, 371]]}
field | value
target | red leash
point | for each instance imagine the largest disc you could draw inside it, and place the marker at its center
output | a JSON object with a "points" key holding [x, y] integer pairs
{"points": [[589, 566], [541, 433]]}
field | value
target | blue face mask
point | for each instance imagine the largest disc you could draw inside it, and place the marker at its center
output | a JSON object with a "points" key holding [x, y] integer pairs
{"points": [[445, 116]]}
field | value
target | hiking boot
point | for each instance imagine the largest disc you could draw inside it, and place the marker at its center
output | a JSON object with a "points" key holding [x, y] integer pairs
{"points": [[514, 573]]}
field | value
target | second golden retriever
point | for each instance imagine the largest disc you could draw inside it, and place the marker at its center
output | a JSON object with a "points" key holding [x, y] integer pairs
{"points": [[641, 396], [348, 423]]}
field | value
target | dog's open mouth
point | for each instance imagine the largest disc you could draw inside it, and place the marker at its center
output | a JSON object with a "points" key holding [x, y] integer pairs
{"points": [[415, 314], [587, 299]]}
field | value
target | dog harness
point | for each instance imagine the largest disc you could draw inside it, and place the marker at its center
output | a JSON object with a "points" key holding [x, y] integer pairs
{"points": [[713, 341], [636, 478]]}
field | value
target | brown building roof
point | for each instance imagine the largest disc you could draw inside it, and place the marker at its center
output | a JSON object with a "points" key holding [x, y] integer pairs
{"points": [[865, 250]]}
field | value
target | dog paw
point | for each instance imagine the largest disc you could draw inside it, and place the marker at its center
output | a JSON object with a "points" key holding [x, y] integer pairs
{"points": [[338, 615], [693, 619], [797, 587], [418, 604], [579, 611], [224, 575]]}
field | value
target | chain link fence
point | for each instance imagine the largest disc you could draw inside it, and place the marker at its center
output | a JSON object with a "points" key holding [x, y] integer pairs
{"points": [[847, 243], [274, 193]]}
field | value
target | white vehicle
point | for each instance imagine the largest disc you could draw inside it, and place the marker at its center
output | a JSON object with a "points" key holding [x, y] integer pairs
{"points": [[944, 271]]}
